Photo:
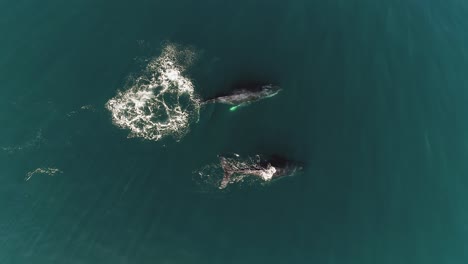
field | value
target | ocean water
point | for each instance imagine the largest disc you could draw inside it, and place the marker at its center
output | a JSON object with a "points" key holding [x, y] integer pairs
{"points": [[374, 102]]}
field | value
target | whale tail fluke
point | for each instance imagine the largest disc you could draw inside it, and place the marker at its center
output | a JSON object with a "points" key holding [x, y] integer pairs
{"points": [[225, 180], [227, 172]]}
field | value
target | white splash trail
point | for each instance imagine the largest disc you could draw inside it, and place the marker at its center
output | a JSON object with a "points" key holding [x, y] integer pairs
{"points": [[47, 171]]}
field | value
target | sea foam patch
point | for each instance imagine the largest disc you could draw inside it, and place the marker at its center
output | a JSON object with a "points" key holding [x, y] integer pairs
{"points": [[161, 101], [46, 171]]}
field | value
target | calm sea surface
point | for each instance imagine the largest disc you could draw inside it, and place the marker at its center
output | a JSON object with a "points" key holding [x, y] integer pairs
{"points": [[374, 102]]}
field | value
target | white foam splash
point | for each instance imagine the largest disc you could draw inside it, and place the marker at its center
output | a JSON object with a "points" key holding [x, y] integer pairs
{"points": [[87, 107], [268, 173], [161, 102], [47, 171], [81, 109]]}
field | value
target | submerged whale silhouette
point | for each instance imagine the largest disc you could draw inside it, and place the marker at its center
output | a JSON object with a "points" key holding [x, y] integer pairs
{"points": [[244, 96], [265, 168]]}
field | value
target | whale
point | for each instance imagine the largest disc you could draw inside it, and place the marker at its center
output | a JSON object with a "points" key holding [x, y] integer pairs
{"points": [[243, 96], [265, 168]]}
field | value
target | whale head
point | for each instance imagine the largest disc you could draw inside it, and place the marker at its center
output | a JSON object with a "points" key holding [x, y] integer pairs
{"points": [[270, 90], [285, 167]]}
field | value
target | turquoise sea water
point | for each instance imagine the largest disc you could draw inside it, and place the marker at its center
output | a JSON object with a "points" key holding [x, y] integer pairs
{"points": [[374, 103]]}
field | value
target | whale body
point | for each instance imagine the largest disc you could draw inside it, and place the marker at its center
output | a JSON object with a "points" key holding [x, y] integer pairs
{"points": [[267, 169], [244, 96]]}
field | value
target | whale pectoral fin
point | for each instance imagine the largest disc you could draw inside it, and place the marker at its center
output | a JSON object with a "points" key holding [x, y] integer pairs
{"points": [[234, 108]]}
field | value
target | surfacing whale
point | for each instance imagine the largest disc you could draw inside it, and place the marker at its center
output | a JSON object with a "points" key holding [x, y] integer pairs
{"points": [[246, 95], [265, 168]]}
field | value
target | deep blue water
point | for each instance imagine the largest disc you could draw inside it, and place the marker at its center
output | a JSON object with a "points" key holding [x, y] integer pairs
{"points": [[375, 103]]}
